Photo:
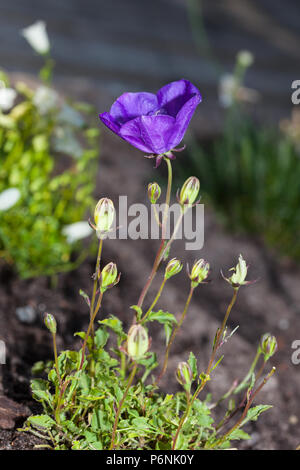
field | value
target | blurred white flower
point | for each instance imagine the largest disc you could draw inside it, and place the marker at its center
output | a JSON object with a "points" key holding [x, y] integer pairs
{"points": [[37, 37], [231, 91], [8, 198], [7, 97], [69, 115], [77, 231], [228, 86], [45, 99], [64, 141]]}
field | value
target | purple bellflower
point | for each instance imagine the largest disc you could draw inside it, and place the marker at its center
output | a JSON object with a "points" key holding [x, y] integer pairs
{"points": [[152, 123]]}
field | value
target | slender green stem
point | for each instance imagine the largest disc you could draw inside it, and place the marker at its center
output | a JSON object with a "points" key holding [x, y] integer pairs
{"points": [[158, 257], [130, 380], [92, 319], [220, 332], [56, 357], [247, 377], [93, 311], [96, 281], [175, 331], [154, 302], [173, 235]]}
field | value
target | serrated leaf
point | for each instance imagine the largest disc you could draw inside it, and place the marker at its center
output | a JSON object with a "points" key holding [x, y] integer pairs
{"points": [[114, 324]]}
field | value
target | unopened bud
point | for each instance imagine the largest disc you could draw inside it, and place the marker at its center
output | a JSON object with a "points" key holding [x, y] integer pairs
{"points": [[245, 58], [199, 272], [184, 375], [50, 323], [137, 342], [189, 191], [154, 192], [268, 345], [174, 266], [108, 277], [104, 216]]}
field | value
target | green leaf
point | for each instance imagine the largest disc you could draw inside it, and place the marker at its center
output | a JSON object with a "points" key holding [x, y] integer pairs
{"points": [[41, 421], [254, 413], [168, 332], [138, 310], [85, 296], [238, 434], [193, 365], [101, 337], [162, 317], [114, 324]]}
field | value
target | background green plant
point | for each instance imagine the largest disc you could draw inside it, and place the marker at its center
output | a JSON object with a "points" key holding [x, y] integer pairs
{"points": [[50, 155], [251, 176]]}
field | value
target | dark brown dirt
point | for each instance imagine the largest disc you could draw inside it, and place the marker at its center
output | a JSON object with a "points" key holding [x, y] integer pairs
{"points": [[265, 306]]}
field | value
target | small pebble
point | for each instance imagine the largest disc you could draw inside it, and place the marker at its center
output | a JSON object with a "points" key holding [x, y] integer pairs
{"points": [[293, 419], [284, 324], [26, 314]]}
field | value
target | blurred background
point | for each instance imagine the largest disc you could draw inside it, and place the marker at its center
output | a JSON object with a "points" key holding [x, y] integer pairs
{"points": [[243, 144], [133, 44]]}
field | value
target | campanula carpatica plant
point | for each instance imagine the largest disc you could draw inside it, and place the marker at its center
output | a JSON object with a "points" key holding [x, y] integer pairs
{"points": [[107, 395]]}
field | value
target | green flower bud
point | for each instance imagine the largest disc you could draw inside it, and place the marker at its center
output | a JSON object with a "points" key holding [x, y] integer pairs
{"points": [[137, 342], [50, 323], [268, 345], [239, 275], [174, 266], [199, 272], [154, 192], [184, 375], [104, 216], [108, 277], [245, 59], [189, 191]]}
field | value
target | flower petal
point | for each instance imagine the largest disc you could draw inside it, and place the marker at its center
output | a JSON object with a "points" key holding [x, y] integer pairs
{"points": [[182, 121], [8, 198], [172, 97], [149, 133], [109, 122], [131, 105]]}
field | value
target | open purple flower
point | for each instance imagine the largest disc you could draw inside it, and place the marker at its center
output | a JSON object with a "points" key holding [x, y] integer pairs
{"points": [[152, 123]]}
